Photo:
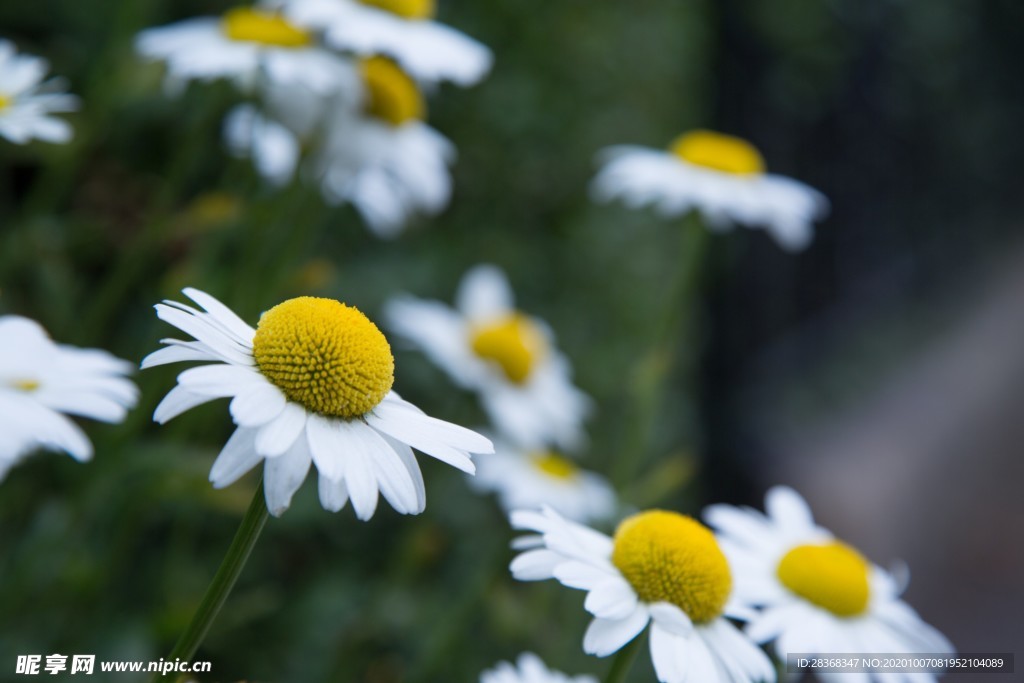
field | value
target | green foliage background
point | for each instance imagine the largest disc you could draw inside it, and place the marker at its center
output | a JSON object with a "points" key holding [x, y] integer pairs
{"points": [[906, 113]]}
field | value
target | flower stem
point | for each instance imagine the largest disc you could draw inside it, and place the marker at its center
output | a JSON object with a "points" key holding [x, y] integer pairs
{"points": [[675, 346], [623, 661], [219, 589]]}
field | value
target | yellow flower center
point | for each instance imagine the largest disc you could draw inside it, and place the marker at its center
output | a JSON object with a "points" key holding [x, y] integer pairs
{"points": [[833, 576], [410, 9], [249, 25], [723, 153], [668, 557], [391, 94], [515, 343], [26, 385], [5, 101], [325, 356], [554, 465]]}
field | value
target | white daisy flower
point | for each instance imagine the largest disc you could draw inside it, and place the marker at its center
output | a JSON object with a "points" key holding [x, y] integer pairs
{"points": [[720, 176], [529, 668], [661, 569], [532, 479], [384, 159], [506, 356], [273, 148], [310, 385], [818, 594], [41, 382], [401, 29], [26, 102], [246, 45]]}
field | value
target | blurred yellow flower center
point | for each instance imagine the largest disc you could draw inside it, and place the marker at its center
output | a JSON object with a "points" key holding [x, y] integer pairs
{"points": [[668, 557], [325, 356], [410, 9], [25, 384], [515, 343], [391, 94], [833, 576], [554, 465], [723, 153], [5, 101], [266, 28]]}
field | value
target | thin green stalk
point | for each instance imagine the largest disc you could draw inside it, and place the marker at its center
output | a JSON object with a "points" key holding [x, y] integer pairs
{"points": [[674, 346], [219, 589], [623, 661]]}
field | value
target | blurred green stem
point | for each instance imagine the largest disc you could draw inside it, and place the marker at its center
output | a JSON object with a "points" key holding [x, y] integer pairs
{"points": [[623, 661], [674, 343], [219, 589]]}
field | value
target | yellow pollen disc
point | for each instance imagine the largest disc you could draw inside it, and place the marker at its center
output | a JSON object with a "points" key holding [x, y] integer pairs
{"points": [[410, 9], [723, 153], [833, 576], [25, 384], [5, 101], [668, 557], [249, 25], [391, 94], [325, 356], [515, 343], [554, 465]]}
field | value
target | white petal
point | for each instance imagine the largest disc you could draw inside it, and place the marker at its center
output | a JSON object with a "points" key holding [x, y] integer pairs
{"points": [[177, 401], [671, 618], [484, 294], [611, 599], [283, 475], [221, 380], [258, 405], [333, 494], [327, 446], [605, 636], [396, 481], [278, 435], [236, 458], [241, 330], [788, 509], [535, 565]]}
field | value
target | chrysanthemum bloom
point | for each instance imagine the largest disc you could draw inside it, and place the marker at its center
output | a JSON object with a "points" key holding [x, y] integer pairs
{"points": [[310, 385], [529, 669], [245, 45], [26, 102], [41, 381], [720, 176], [506, 356], [400, 29], [661, 568], [532, 479], [818, 594], [382, 157]]}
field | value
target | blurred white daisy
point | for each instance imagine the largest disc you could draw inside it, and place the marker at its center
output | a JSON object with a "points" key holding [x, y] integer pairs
{"points": [[720, 176], [246, 45], [383, 158], [41, 382], [818, 595], [529, 669], [506, 356], [26, 102], [310, 385], [532, 479], [401, 29], [661, 569]]}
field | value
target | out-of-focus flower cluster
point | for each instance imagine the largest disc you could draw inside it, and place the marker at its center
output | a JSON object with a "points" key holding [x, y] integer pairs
{"points": [[334, 91]]}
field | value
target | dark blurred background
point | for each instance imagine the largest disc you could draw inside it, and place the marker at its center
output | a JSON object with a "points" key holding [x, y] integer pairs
{"points": [[879, 372]]}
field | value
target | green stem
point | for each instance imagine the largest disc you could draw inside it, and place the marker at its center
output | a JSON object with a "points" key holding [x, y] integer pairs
{"points": [[674, 342], [623, 661], [219, 589]]}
